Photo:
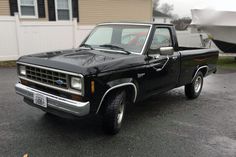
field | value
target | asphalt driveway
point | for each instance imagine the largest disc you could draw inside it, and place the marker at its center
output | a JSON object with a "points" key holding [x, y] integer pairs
{"points": [[165, 125]]}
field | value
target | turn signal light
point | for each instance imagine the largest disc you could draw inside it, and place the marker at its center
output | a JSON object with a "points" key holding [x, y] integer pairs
{"points": [[24, 82], [76, 97], [92, 87]]}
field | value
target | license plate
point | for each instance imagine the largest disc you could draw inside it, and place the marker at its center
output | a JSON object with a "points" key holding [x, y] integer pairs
{"points": [[40, 100]]}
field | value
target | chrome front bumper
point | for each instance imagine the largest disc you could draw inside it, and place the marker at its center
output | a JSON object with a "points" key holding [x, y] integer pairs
{"points": [[55, 102]]}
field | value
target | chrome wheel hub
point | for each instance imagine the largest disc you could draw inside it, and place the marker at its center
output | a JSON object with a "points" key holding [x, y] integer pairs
{"points": [[198, 84]]}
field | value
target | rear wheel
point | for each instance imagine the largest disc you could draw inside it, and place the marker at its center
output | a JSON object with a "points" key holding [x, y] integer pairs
{"points": [[114, 111], [194, 89]]}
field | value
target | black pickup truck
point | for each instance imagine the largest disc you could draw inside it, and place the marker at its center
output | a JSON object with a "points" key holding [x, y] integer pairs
{"points": [[117, 64]]}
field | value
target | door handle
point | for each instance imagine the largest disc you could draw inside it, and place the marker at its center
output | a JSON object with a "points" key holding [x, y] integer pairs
{"points": [[159, 69], [174, 57]]}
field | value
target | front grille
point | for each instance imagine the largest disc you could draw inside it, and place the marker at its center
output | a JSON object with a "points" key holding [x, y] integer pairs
{"points": [[49, 77]]}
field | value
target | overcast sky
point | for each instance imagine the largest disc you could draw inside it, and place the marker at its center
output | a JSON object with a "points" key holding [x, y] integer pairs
{"points": [[182, 7]]}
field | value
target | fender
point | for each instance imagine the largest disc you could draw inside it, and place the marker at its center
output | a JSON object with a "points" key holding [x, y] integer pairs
{"points": [[118, 84], [199, 68]]}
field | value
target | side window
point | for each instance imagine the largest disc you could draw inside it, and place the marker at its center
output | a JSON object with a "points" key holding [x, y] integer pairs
{"points": [[161, 38]]}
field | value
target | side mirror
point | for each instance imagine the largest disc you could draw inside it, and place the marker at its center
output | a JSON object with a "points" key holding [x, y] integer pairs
{"points": [[166, 51]]}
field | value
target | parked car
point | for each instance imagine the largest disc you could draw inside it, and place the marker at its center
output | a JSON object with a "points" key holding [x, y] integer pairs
{"points": [[117, 64]]}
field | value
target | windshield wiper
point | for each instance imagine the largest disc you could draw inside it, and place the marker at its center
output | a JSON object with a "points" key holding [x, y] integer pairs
{"points": [[87, 46], [115, 47]]}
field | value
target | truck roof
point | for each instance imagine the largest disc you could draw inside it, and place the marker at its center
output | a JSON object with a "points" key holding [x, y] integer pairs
{"points": [[136, 23]]}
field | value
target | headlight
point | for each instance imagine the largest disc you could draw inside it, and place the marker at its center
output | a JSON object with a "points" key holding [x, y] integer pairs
{"points": [[22, 70], [76, 83]]}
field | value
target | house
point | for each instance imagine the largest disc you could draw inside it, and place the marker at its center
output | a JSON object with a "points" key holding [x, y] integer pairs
{"points": [[160, 17], [87, 12], [33, 26]]}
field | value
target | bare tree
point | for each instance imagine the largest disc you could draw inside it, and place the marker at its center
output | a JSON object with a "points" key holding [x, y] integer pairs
{"points": [[175, 16], [181, 23], [167, 8], [156, 4]]}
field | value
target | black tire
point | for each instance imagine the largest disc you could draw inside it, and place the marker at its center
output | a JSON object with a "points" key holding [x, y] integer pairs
{"points": [[194, 89], [113, 113]]}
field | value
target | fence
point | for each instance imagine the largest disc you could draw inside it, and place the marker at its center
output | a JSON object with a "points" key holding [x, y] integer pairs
{"points": [[19, 38]]}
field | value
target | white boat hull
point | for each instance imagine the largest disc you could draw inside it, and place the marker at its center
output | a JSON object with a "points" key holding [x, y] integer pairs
{"points": [[220, 25]]}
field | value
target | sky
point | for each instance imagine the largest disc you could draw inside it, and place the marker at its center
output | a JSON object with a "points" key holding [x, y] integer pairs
{"points": [[182, 7]]}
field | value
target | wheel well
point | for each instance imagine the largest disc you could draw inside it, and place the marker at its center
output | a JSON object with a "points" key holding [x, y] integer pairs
{"points": [[131, 89], [204, 71]]}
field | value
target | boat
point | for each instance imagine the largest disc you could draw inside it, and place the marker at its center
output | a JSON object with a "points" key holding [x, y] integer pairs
{"points": [[220, 25]]}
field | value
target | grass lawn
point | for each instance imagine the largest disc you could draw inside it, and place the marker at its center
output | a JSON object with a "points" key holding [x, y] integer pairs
{"points": [[7, 63], [227, 62]]}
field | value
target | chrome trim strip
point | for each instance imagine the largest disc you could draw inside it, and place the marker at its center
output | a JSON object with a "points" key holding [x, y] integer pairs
{"points": [[56, 102], [201, 67], [69, 90], [145, 44], [50, 86], [117, 86]]}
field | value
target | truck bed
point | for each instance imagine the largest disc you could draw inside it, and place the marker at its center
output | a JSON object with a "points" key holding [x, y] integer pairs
{"points": [[193, 58]]}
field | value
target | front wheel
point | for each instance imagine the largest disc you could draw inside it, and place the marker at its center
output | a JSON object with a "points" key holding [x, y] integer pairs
{"points": [[113, 113], [194, 89]]}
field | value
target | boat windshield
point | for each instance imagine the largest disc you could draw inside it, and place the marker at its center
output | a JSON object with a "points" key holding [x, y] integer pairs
{"points": [[126, 38]]}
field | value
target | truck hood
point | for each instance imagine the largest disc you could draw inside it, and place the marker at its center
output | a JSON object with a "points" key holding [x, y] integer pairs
{"points": [[84, 61]]}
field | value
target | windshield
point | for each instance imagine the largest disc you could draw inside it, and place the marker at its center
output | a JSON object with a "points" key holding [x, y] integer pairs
{"points": [[125, 37]]}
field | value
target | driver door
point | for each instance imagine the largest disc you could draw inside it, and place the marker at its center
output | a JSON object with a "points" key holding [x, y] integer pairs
{"points": [[162, 70]]}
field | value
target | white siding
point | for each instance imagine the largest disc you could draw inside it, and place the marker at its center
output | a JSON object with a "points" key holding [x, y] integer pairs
{"points": [[4, 7], [97, 11]]}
